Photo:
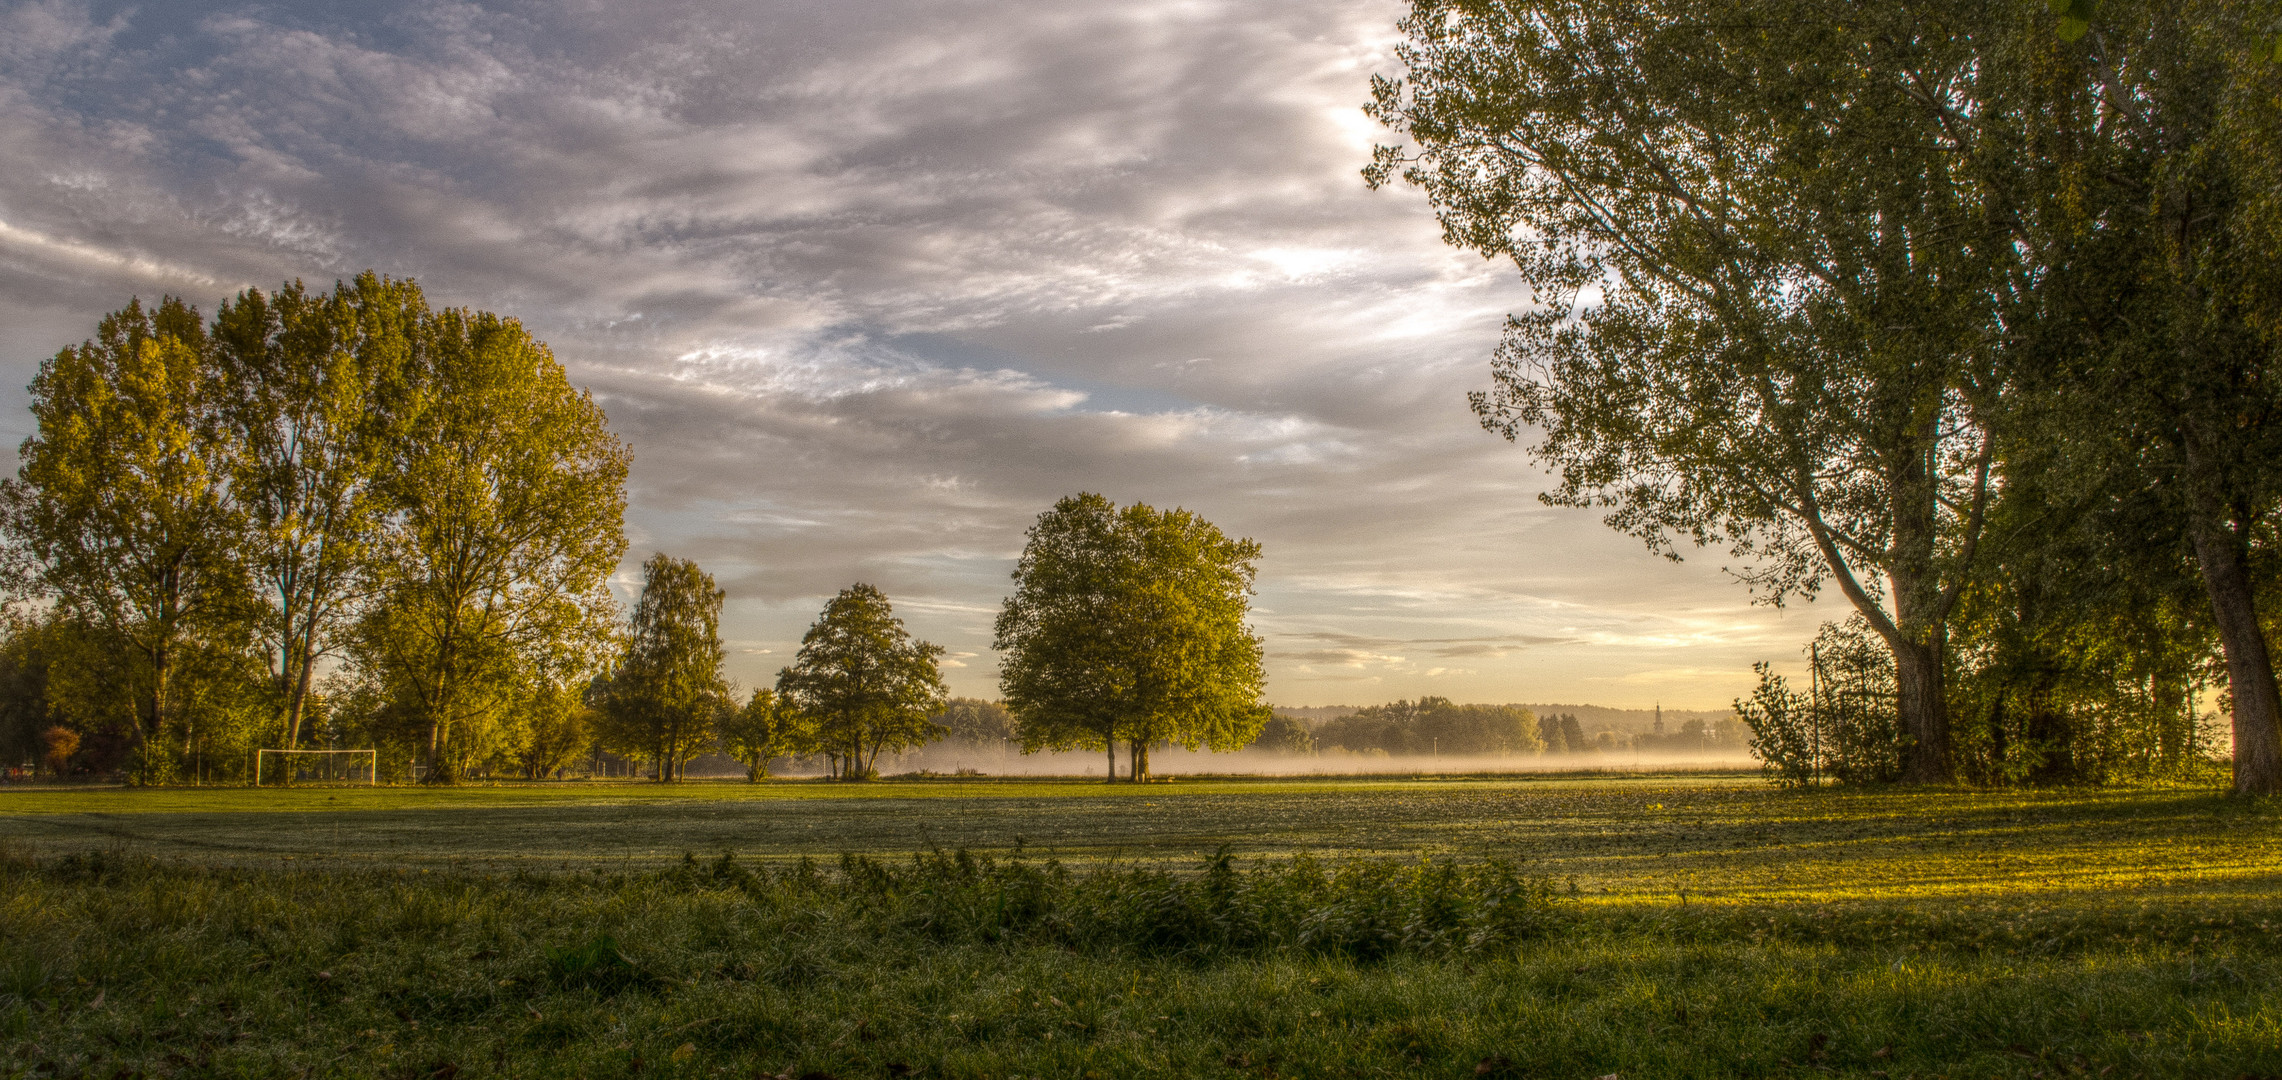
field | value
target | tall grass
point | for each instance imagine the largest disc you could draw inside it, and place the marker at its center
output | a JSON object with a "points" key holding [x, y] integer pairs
{"points": [[956, 965]]}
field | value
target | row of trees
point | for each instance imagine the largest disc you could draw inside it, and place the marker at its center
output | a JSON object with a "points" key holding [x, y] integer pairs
{"points": [[209, 511], [1961, 308], [1435, 725]]}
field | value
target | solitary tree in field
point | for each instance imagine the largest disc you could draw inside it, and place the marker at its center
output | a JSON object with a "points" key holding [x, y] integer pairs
{"points": [[1773, 285], [866, 685], [1128, 624], [667, 691], [120, 509]]}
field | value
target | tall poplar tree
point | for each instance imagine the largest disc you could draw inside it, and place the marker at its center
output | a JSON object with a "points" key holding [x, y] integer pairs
{"points": [[507, 497], [2165, 294], [313, 400]]}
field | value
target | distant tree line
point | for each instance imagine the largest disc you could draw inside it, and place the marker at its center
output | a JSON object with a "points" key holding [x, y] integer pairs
{"points": [[1966, 311]]}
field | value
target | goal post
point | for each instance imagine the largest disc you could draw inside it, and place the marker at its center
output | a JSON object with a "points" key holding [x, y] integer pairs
{"points": [[372, 763]]}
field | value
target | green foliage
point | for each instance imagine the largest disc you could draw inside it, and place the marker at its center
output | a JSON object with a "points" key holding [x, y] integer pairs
{"points": [[558, 726], [1770, 282], [1842, 728], [1284, 735], [767, 728], [120, 508], [506, 523], [867, 686], [314, 403], [1128, 624], [201, 502], [975, 722], [665, 697], [1433, 725]]}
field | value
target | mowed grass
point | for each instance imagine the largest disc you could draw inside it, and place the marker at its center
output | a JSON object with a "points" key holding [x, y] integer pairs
{"points": [[1709, 836], [1671, 926]]}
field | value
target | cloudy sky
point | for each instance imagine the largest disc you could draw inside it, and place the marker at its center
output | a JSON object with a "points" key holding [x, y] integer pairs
{"points": [[867, 284]]}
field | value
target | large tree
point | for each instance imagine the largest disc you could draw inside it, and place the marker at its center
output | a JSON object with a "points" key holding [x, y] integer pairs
{"points": [[1772, 285], [1128, 624], [312, 397], [866, 685], [667, 692], [507, 497], [2165, 294], [121, 510]]}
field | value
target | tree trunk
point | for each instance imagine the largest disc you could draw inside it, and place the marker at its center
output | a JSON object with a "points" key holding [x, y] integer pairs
{"points": [[2250, 666], [296, 703], [1112, 742], [1137, 753], [1923, 710]]}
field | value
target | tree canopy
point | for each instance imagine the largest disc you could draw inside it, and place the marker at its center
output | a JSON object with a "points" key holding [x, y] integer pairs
{"points": [[666, 694], [866, 685], [1835, 286], [1128, 624], [347, 471]]}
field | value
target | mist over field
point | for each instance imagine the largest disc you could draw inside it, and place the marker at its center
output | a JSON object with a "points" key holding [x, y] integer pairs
{"points": [[1177, 762]]}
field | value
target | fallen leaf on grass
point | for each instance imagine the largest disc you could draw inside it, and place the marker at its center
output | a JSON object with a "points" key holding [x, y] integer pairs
{"points": [[684, 1051]]}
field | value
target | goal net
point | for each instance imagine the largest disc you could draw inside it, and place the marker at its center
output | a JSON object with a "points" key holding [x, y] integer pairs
{"points": [[317, 766]]}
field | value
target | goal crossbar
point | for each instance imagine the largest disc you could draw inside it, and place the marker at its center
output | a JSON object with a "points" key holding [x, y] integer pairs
{"points": [[372, 779]]}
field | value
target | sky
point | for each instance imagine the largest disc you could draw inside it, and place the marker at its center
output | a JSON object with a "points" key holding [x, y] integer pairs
{"points": [[868, 284]]}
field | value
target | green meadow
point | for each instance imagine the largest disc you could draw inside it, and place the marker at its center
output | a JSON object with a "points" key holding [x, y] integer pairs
{"points": [[1558, 926]]}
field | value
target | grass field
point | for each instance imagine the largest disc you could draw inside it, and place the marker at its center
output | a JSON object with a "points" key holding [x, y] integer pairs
{"points": [[1684, 925]]}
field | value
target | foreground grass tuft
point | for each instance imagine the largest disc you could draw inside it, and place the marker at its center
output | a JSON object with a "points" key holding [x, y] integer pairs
{"points": [[957, 965]]}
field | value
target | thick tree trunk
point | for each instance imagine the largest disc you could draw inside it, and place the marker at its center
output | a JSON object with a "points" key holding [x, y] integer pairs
{"points": [[1923, 710], [1112, 741], [1137, 753], [2250, 666]]}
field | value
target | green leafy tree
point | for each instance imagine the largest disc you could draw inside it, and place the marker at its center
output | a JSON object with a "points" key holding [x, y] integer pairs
{"points": [[2162, 287], [1436, 725], [506, 506], [1772, 286], [975, 722], [767, 728], [1128, 624], [558, 729], [1285, 736], [311, 389], [120, 509], [868, 687], [667, 691]]}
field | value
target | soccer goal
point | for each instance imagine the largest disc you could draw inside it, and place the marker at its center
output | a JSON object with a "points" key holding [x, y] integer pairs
{"points": [[335, 766]]}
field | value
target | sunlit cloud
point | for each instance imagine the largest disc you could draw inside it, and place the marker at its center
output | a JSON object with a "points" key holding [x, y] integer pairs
{"points": [[868, 285]]}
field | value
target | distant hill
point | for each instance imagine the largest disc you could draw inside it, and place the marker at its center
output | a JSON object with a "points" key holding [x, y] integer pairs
{"points": [[1590, 717]]}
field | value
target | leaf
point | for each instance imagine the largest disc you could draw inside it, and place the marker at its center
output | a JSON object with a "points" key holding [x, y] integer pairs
{"points": [[684, 1052]]}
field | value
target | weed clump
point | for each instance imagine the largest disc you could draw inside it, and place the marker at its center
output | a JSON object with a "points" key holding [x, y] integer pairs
{"points": [[1366, 910]]}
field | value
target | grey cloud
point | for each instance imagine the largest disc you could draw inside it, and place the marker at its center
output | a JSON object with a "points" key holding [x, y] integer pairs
{"points": [[868, 284]]}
